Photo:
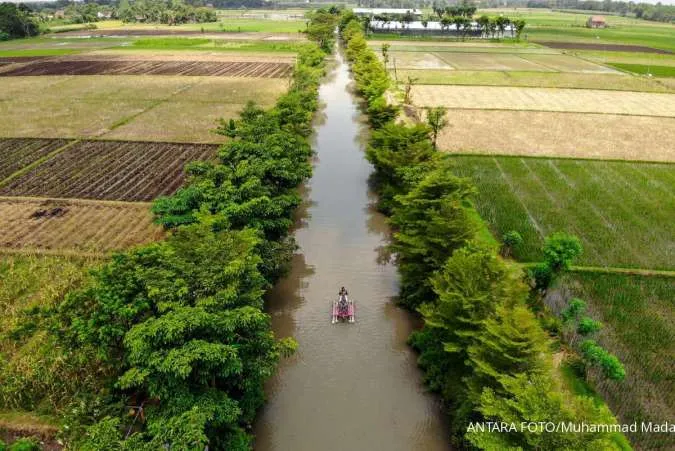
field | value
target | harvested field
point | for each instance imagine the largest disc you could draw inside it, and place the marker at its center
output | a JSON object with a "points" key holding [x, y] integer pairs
{"points": [[560, 135], [210, 34], [566, 63], [615, 81], [621, 211], [56, 225], [127, 54], [490, 61], [417, 60], [638, 315], [110, 170], [18, 153], [545, 99], [602, 47], [194, 68], [21, 59], [93, 106]]}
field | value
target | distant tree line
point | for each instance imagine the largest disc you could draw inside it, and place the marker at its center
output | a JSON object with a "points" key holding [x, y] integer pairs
{"points": [[658, 12], [16, 21], [172, 12]]}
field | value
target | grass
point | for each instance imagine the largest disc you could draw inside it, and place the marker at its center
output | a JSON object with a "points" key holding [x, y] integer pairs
{"points": [[225, 24], [153, 108], [638, 316], [643, 69], [30, 368], [621, 211], [36, 52], [618, 82], [163, 43]]}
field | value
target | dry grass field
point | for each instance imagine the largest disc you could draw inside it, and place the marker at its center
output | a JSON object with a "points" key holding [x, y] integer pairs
{"points": [[110, 170], [77, 226], [545, 99], [615, 82], [95, 106], [490, 61], [560, 135], [567, 63]]}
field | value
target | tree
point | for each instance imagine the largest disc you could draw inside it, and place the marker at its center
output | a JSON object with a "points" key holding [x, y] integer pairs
{"points": [[408, 89], [430, 222], [532, 399], [437, 121], [520, 26], [511, 342], [385, 54], [16, 22], [609, 364], [560, 250], [511, 240], [483, 23], [502, 22]]}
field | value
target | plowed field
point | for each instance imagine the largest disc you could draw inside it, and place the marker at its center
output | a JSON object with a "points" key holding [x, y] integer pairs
{"points": [[74, 225], [194, 68], [110, 170], [18, 153]]}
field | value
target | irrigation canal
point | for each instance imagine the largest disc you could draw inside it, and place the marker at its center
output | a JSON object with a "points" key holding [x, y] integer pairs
{"points": [[350, 386]]}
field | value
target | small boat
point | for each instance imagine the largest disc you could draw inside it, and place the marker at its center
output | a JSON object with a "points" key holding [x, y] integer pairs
{"points": [[343, 309]]}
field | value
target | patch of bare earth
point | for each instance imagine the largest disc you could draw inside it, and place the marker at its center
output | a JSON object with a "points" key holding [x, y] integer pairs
{"points": [[73, 225], [575, 135]]}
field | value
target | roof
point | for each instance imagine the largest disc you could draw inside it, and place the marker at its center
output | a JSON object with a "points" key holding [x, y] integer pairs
{"points": [[386, 11], [597, 18]]}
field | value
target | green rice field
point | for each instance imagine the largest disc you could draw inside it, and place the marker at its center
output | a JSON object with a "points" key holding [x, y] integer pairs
{"points": [[638, 316], [621, 211], [644, 69]]}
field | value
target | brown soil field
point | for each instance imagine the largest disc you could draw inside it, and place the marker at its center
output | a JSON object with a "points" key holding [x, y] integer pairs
{"points": [[603, 47], [183, 55], [545, 99], [194, 68], [60, 225], [18, 153], [559, 135], [110, 170]]}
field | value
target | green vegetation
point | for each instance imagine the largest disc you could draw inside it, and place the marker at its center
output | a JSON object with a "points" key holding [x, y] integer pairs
{"points": [[637, 326], [170, 12], [644, 69], [167, 43], [36, 52], [16, 21], [481, 347], [619, 210]]}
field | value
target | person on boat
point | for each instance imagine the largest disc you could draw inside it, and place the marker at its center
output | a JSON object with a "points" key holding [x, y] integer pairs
{"points": [[342, 303]]}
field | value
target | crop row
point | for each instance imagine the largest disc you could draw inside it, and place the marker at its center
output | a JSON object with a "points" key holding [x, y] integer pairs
{"points": [[196, 68], [81, 226], [621, 211], [18, 153], [110, 170]]}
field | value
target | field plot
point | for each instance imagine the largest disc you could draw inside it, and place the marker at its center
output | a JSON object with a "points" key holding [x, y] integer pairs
{"points": [[621, 211], [128, 106], [638, 314], [545, 99], [18, 153], [110, 170], [74, 225], [618, 82], [490, 61], [560, 135], [194, 68], [566, 63], [418, 60]]}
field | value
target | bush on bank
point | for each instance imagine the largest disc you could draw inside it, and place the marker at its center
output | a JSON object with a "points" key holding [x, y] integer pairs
{"points": [[481, 346], [173, 344]]}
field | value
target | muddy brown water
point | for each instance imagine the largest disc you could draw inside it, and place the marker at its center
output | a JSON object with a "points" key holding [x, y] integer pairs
{"points": [[349, 386]]}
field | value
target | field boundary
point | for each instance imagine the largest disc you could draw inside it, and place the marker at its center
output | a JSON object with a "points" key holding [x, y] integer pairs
{"points": [[37, 162], [647, 272], [558, 157], [533, 110], [76, 201]]}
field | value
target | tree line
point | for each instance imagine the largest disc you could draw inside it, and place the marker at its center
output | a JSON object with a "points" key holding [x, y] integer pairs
{"points": [[483, 347], [16, 21], [167, 346], [171, 12]]}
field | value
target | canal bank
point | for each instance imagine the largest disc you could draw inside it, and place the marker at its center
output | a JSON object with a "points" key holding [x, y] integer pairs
{"points": [[349, 386]]}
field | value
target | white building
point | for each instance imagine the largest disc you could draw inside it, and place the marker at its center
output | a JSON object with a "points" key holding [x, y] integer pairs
{"points": [[379, 11]]}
